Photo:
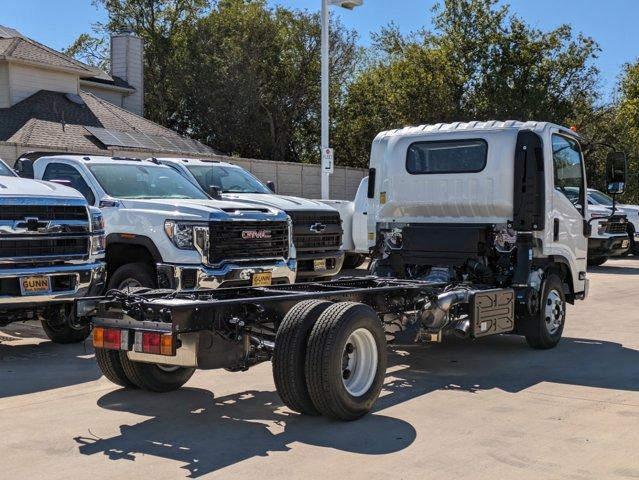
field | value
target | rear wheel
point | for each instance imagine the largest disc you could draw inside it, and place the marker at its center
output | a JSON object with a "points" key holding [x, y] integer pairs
{"points": [[111, 367], [155, 378], [132, 276], [290, 355], [346, 361], [547, 326]]}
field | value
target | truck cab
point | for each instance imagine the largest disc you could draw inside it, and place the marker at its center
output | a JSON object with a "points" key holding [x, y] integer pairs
{"points": [[317, 230], [164, 232], [51, 252]]}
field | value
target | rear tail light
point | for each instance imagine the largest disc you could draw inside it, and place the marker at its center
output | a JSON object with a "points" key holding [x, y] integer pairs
{"points": [[111, 338], [155, 343]]}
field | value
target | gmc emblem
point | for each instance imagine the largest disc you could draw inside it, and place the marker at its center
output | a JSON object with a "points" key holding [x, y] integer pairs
{"points": [[255, 234]]}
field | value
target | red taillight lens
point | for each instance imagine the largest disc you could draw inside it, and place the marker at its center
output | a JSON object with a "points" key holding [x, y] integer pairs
{"points": [[112, 338], [151, 342], [155, 343]]}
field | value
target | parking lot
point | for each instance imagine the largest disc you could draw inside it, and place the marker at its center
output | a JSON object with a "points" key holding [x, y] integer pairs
{"points": [[486, 409]]}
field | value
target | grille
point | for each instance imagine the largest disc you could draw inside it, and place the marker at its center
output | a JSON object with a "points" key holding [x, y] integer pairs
{"points": [[43, 212], [616, 227], [227, 243], [30, 247], [308, 241]]}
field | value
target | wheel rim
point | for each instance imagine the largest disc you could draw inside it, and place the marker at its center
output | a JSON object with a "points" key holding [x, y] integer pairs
{"points": [[129, 283], [168, 368], [359, 362], [554, 312]]}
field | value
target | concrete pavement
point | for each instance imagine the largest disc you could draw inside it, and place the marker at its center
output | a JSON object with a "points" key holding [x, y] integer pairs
{"points": [[487, 409]]}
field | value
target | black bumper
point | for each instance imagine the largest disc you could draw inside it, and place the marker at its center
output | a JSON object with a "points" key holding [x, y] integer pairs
{"points": [[306, 264], [608, 247]]}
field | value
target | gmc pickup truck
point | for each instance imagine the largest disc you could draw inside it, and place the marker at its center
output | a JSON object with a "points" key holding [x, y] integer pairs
{"points": [[51, 251]]}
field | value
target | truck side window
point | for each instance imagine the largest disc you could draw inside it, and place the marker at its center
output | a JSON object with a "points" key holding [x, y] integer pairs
{"points": [[448, 156], [71, 177], [568, 169]]}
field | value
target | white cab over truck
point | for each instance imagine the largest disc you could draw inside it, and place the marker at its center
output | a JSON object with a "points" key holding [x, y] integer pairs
{"points": [[317, 233], [51, 251], [354, 223], [472, 234]]}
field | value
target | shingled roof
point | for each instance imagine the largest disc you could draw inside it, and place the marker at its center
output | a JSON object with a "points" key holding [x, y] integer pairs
{"points": [[58, 120]]}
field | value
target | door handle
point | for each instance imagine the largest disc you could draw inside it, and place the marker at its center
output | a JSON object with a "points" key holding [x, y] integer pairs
{"points": [[556, 230]]}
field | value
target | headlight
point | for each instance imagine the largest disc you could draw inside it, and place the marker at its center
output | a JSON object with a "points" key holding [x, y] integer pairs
{"points": [[97, 221], [181, 233], [98, 244]]}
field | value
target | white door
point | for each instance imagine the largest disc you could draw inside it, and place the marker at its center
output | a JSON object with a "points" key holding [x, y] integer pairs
{"points": [[360, 218]]}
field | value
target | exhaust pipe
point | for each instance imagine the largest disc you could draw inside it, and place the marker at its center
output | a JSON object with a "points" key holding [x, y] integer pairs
{"points": [[434, 315], [461, 328]]}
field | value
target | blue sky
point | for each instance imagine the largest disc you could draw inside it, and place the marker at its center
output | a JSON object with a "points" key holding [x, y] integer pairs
{"points": [[612, 23]]}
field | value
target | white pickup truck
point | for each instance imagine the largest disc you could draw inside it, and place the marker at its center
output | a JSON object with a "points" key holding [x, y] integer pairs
{"points": [[600, 199], [317, 232], [51, 252], [354, 223]]}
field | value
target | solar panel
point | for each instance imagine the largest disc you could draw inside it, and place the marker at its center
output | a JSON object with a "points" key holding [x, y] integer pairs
{"points": [[116, 138]]}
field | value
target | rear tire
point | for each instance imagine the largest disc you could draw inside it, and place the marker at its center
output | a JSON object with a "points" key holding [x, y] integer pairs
{"points": [[290, 355], [111, 367], [132, 276], [547, 326], [346, 361], [155, 378]]}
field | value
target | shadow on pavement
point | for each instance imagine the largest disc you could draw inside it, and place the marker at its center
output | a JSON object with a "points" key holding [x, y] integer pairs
{"points": [[37, 367], [206, 434]]}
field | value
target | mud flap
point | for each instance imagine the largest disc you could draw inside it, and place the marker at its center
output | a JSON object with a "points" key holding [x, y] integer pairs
{"points": [[493, 312]]}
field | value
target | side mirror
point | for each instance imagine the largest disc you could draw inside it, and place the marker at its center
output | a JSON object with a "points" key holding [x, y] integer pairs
{"points": [[271, 185], [215, 192], [24, 168], [616, 173]]}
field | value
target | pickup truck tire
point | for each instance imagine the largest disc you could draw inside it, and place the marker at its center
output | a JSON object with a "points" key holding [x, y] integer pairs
{"points": [[547, 326], [155, 378], [132, 276], [597, 261], [290, 355], [62, 332], [353, 260], [111, 367], [346, 361]]}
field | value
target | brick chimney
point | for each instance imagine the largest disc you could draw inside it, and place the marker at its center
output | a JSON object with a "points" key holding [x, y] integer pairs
{"points": [[127, 57]]}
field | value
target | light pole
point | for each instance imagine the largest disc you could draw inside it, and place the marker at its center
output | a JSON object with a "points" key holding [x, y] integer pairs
{"points": [[327, 153]]}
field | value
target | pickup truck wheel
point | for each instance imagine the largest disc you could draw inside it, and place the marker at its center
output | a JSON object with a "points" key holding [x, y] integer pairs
{"points": [[132, 276], [155, 378], [59, 331], [346, 361], [548, 325], [353, 260], [111, 367], [597, 261], [290, 355]]}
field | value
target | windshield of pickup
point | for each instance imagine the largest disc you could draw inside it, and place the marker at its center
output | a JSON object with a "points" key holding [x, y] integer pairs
{"points": [[229, 179], [144, 181], [600, 198], [5, 171]]}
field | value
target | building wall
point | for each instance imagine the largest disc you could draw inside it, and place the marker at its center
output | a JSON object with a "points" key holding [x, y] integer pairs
{"points": [[294, 179], [5, 99], [24, 81], [105, 94]]}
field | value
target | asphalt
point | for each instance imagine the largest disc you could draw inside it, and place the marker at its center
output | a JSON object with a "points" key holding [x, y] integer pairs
{"points": [[487, 409]]}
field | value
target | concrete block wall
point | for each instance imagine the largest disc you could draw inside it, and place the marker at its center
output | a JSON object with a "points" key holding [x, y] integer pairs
{"points": [[296, 179]]}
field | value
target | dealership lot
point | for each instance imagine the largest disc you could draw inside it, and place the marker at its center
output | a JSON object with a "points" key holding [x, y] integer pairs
{"points": [[484, 409]]}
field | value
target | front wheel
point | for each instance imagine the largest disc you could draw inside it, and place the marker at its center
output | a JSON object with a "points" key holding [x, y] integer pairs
{"points": [[597, 261], [547, 326], [59, 330], [132, 276], [346, 361]]}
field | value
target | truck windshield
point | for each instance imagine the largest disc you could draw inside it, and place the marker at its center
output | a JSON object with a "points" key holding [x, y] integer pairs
{"points": [[144, 181], [229, 179], [5, 171], [600, 198]]}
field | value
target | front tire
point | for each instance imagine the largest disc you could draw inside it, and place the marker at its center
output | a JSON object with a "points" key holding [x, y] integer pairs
{"points": [[346, 361], [597, 261], [60, 331], [132, 276], [353, 260], [546, 328], [290, 355]]}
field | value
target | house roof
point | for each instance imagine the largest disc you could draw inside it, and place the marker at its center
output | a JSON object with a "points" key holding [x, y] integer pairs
{"points": [[59, 120]]}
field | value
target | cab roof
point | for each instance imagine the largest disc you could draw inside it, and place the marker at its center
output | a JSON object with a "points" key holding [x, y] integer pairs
{"points": [[98, 159], [198, 161], [490, 125]]}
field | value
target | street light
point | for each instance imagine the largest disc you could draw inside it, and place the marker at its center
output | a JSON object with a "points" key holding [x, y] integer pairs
{"points": [[327, 152]]}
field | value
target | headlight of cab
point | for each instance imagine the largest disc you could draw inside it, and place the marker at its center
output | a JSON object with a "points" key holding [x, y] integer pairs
{"points": [[181, 233], [98, 237]]}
